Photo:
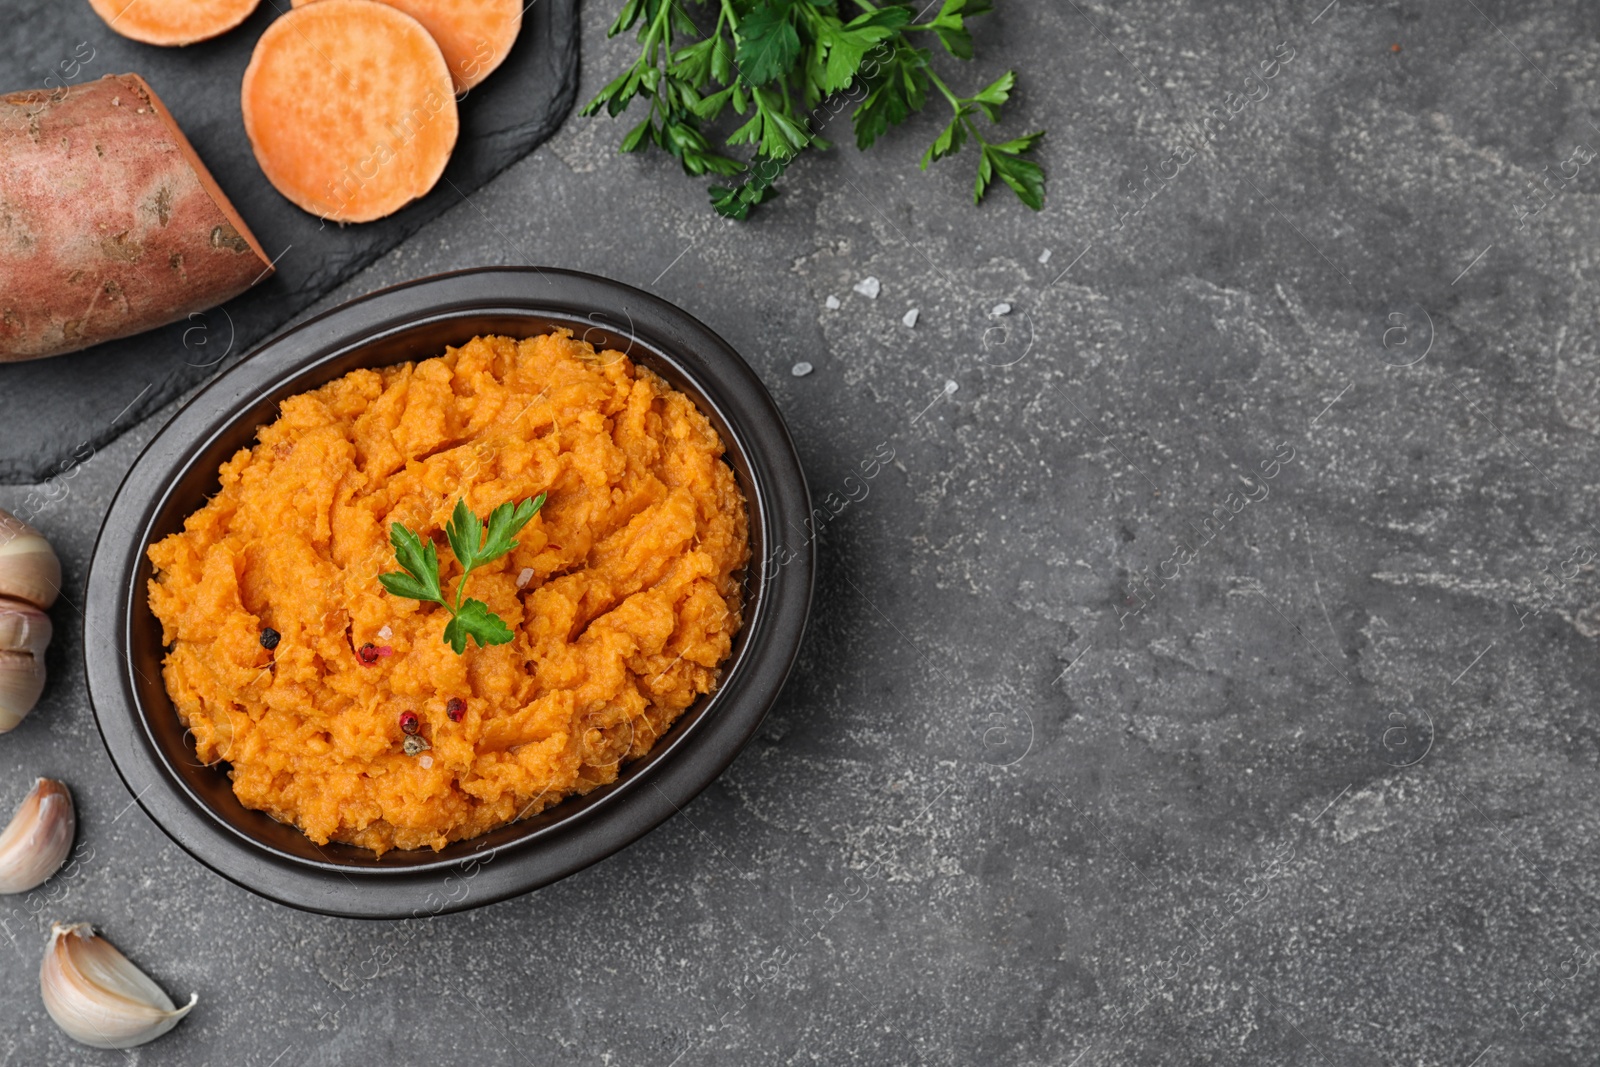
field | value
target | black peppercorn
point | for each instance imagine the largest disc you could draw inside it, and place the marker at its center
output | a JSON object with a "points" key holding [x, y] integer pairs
{"points": [[270, 638]]}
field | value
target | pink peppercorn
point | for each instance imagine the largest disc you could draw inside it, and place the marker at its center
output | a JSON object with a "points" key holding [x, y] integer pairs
{"points": [[456, 708], [367, 654], [409, 723]]}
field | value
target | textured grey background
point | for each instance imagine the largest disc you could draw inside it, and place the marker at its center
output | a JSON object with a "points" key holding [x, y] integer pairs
{"points": [[990, 821]]}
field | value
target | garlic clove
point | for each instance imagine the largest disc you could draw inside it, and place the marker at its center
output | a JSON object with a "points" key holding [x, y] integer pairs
{"points": [[35, 843], [23, 628], [21, 682], [29, 569], [97, 996]]}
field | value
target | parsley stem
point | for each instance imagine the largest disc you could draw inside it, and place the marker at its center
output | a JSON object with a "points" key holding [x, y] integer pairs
{"points": [[955, 101], [657, 25]]}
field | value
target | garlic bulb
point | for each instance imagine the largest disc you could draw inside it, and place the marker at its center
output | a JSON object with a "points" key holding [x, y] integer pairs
{"points": [[29, 569], [30, 579], [23, 628], [21, 682], [24, 635], [97, 996], [35, 843]]}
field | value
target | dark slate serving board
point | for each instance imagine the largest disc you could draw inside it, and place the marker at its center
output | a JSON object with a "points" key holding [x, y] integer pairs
{"points": [[51, 409]]}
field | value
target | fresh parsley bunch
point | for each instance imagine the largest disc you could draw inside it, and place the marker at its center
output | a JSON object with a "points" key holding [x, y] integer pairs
{"points": [[789, 64], [419, 562]]}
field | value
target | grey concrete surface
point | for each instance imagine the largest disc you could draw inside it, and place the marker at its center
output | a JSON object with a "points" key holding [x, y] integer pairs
{"points": [[1321, 793]]}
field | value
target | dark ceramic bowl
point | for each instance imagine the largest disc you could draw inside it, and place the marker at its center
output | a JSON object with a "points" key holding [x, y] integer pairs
{"points": [[194, 803]]}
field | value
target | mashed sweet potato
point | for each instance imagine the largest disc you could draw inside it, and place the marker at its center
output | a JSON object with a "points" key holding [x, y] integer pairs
{"points": [[623, 593]]}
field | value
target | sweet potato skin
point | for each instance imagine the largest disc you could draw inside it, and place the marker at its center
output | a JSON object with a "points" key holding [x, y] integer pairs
{"points": [[110, 225]]}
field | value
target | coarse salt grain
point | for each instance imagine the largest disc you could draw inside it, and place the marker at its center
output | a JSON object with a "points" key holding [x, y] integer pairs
{"points": [[801, 369], [832, 303], [386, 633], [525, 577], [910, 318], [426, 762], [1044, 257], [999, 309], [868, 287]]}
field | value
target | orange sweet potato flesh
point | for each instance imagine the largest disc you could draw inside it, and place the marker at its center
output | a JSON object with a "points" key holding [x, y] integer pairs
{"points": [[110, 225], [474, 35], [349, 108], [173, 22]]}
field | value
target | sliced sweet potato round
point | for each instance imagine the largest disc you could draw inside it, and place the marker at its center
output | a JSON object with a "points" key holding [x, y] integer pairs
{"points": [[474, 35], [173, 22], [348, 106]]}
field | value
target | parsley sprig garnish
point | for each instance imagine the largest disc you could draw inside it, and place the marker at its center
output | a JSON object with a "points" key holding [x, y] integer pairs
{"points": [[783, 63], [419, 561]]}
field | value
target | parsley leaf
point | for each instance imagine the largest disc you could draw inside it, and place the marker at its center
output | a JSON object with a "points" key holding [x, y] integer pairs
{"points": [[418, 578], [735, 203], [420, 561], [899, 87], [476, 620], [993, 95], [786, 67], [769, 43], [504, 524], [947, 143], [464, 531], [848, 44], [951, 25], [1025, 177]]}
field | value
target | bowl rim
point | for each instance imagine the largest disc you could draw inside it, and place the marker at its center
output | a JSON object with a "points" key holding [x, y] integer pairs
{"points": [[680, 765]]}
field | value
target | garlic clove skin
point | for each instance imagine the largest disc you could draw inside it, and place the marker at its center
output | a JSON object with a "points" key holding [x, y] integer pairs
{"points": [[97, 996], [35, 843], [29, 569], [24, 628], [21, 682], [24, 635]]}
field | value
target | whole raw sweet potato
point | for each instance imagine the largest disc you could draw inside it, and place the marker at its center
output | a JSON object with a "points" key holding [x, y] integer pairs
{"points": [[109, 223]]}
